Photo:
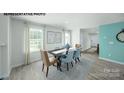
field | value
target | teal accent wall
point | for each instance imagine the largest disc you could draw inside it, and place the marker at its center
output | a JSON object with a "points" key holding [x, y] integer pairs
{"points": [[110, 48]]}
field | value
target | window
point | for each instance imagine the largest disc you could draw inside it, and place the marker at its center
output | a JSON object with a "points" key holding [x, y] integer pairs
{"points": [[36, 39], [67, 37]]}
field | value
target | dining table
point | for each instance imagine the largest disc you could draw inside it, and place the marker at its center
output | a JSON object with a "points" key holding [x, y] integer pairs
{"points": [[57, 53]]}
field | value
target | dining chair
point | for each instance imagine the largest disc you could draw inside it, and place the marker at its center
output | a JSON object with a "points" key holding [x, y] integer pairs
{"points": [[68, 58], [47, 61], [67, 46], [77, 55], [77, 45]]}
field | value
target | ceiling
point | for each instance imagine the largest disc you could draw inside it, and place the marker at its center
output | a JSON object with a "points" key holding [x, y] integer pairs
{"points": [[75, 20]]}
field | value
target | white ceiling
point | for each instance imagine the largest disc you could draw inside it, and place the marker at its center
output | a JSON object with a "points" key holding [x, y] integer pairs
{"points": [[75, 20]]}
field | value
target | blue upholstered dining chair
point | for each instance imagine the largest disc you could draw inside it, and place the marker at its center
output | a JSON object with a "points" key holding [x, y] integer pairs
{"points": [[67, 46], [68, 59], [77, 55]]}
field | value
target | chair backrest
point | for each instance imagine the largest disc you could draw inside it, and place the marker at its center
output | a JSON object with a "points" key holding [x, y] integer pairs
{"points": [[77, 45], [77, 53], [69, 56], [67, 46], [45, 58]]}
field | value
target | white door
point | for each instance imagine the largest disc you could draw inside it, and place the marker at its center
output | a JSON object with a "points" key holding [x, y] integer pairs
{"points": [[94, 40], [36, 43]]}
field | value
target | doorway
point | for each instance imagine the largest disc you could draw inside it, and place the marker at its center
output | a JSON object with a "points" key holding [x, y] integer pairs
{"points": [[35, 43], [89, 40]]}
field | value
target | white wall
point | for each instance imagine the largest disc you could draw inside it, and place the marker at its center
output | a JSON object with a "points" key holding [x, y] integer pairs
{"points": [[4, 50]]}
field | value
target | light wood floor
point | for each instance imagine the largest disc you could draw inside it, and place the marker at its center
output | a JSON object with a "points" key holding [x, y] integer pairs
{"points": [[99, 70], [104, 70]]}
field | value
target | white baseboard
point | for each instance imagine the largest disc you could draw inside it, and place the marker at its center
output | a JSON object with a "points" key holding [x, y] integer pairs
{"points": [[110, 60]]}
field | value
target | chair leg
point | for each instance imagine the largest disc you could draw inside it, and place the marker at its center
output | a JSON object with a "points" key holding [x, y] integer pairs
{"points": [[58, 65], [75, 61], [47, 71], [67, 67], [78, 59], [72, 64], [43, 67]]}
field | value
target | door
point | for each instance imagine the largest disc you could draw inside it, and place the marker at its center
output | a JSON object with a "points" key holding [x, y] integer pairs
{"points": [[94, 40], [35, 43]]}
